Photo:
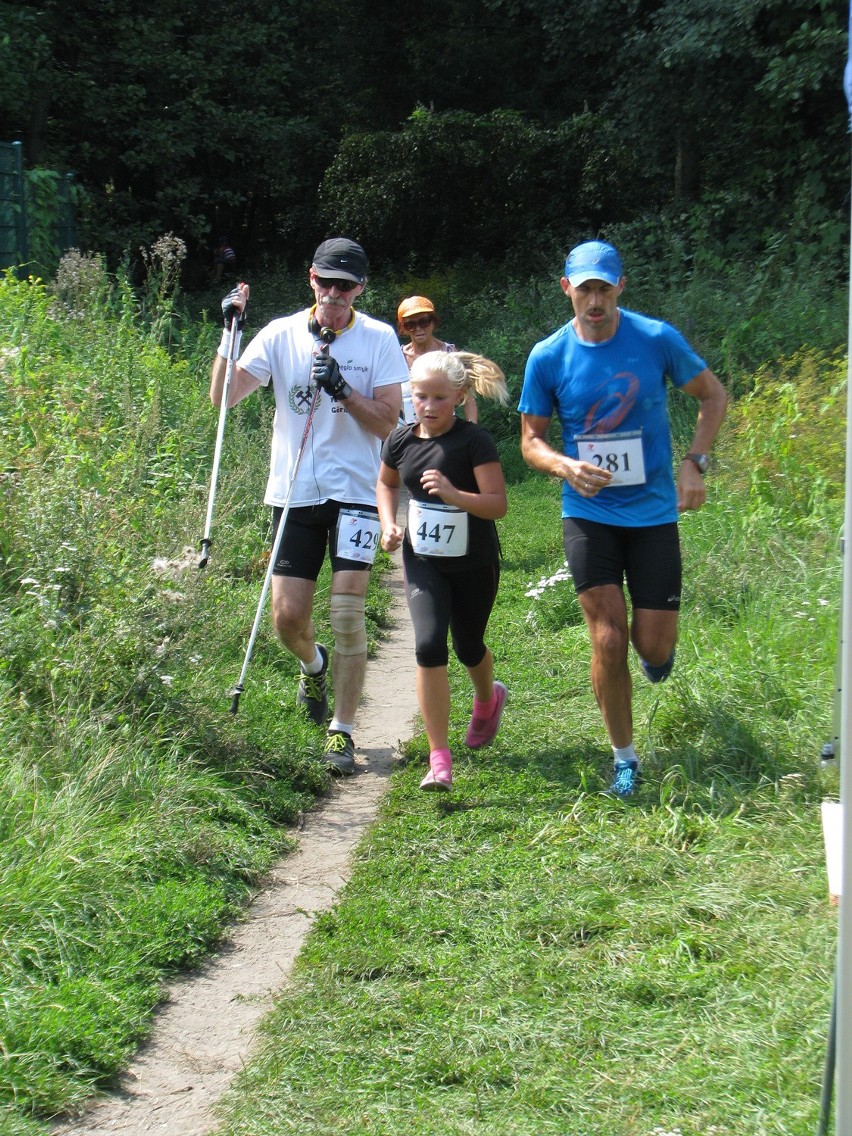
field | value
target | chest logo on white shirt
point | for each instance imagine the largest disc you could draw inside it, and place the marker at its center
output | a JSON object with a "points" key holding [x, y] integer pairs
{"points": [[300, 399]]}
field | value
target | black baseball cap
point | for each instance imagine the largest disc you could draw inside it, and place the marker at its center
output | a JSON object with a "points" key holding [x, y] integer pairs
{"points": [[341, 257]]}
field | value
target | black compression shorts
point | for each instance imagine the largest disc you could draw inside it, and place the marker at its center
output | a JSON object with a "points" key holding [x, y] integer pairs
{"points": [[310, 531], [647, 558], [455, 602]]}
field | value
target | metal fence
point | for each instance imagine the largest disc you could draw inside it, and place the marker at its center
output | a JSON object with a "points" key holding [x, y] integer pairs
{"points": [[14, 248], [35, 236]]}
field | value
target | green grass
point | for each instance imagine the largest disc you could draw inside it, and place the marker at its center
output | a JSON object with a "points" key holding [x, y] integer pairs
{"points": [[528, 956]]}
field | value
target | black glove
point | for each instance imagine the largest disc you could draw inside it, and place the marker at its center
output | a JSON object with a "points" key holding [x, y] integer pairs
{"points": [[230, 309], [326, 374]]}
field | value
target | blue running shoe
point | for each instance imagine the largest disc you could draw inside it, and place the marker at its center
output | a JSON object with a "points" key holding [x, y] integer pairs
{"points": [[658, 673], [626, 779]]}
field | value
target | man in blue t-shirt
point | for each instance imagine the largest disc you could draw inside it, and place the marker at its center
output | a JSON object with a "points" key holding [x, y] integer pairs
{"points": [[605, 375]]}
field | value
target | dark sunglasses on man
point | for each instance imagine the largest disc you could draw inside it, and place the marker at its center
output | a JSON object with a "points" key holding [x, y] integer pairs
{"points": [[413, 324], [341, 285]]}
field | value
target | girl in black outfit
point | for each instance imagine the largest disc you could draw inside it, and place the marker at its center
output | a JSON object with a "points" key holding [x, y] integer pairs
{"points": [[450, 551]]}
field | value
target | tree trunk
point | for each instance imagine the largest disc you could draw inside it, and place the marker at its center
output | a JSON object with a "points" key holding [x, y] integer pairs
{"points": [[687, 171]]}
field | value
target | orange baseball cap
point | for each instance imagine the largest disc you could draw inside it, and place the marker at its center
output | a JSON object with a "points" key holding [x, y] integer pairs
{"points": [[415, 306]]}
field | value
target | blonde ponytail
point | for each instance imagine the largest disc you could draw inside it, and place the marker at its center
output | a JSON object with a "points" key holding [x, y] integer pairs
{"points": [[465, 371]]}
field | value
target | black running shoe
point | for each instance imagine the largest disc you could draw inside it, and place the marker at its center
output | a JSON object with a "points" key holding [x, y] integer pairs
{"points": [[339, 753], [312, 692]]}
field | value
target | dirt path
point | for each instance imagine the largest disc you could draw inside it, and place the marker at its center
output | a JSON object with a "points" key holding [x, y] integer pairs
{"points": [[203, 1034]]}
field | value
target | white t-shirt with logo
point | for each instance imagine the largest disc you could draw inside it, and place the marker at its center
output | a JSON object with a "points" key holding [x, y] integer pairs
{"points": [[340, 460]]}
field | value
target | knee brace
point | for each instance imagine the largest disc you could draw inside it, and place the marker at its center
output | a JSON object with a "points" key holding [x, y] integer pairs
{"points": [[347, 619]]}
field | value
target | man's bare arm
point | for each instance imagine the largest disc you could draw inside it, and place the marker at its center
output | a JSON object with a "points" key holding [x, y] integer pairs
{"points": [[537, 451], [242, 383], [378, 414]]}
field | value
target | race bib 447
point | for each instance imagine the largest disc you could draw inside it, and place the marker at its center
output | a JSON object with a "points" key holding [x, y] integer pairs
{"points": [[437, 529]]}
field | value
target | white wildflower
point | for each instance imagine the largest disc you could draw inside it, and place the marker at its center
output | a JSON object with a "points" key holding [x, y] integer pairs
{"points": [[175, 567]]}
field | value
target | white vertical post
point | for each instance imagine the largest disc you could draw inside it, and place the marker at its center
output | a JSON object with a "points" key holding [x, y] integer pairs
{"points": [[843, 1067]]}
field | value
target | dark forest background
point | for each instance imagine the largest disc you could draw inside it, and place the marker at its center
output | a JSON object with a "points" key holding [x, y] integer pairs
{"points": [[493, 130]]}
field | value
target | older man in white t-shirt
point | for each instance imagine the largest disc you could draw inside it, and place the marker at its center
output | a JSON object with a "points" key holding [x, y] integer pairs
{"points": [[358, 365]]}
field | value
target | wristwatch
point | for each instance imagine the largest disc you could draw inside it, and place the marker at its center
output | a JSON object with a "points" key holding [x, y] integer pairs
{"points": [[699, 460]]}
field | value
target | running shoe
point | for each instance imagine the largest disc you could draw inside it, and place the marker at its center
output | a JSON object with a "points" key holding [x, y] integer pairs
{"points": [[626, 779], [312, 693], [481, 731], [339, 753], [439, 779], [660, 672]]}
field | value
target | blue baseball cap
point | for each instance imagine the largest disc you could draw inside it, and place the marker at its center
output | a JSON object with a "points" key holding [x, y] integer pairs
{"points": [[593, 260]]}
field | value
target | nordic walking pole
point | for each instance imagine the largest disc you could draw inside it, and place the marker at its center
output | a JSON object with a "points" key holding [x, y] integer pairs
{"points": [[206, 540], [276, 545], [327, 335], [828, 1070]]}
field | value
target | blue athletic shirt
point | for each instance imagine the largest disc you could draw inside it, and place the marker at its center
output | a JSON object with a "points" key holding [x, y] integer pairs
{"points": [[612, 387]]}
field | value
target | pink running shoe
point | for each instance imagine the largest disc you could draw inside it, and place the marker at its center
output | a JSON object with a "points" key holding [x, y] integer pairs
{"points": [[481, 731], [439, 779]]}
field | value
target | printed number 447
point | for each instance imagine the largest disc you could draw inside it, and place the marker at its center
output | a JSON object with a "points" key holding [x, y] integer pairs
{"points": [[436, 532]]}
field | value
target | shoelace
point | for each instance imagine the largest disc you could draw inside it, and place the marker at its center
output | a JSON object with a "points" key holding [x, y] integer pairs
{"points": [[336, 743], [313, 685], [625, 779]]}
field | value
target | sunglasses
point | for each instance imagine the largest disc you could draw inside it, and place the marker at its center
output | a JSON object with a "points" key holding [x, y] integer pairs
{"points": [[412, 325], [341, 285]]}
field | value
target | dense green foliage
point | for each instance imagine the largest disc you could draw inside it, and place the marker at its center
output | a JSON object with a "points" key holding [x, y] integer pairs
{"points": [[136, 814], [481, 127], [467, 147]]}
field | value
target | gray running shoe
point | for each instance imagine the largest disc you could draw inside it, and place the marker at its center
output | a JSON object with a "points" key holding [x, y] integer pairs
{"points": [[312, 693], [339, 753]]}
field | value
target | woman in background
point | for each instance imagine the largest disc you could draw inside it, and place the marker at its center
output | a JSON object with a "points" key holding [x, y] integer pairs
{"points": [[417, 318]]}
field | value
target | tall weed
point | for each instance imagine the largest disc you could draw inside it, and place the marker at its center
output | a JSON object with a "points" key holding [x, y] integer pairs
{"points": [[785, 440], [135, 812]]}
